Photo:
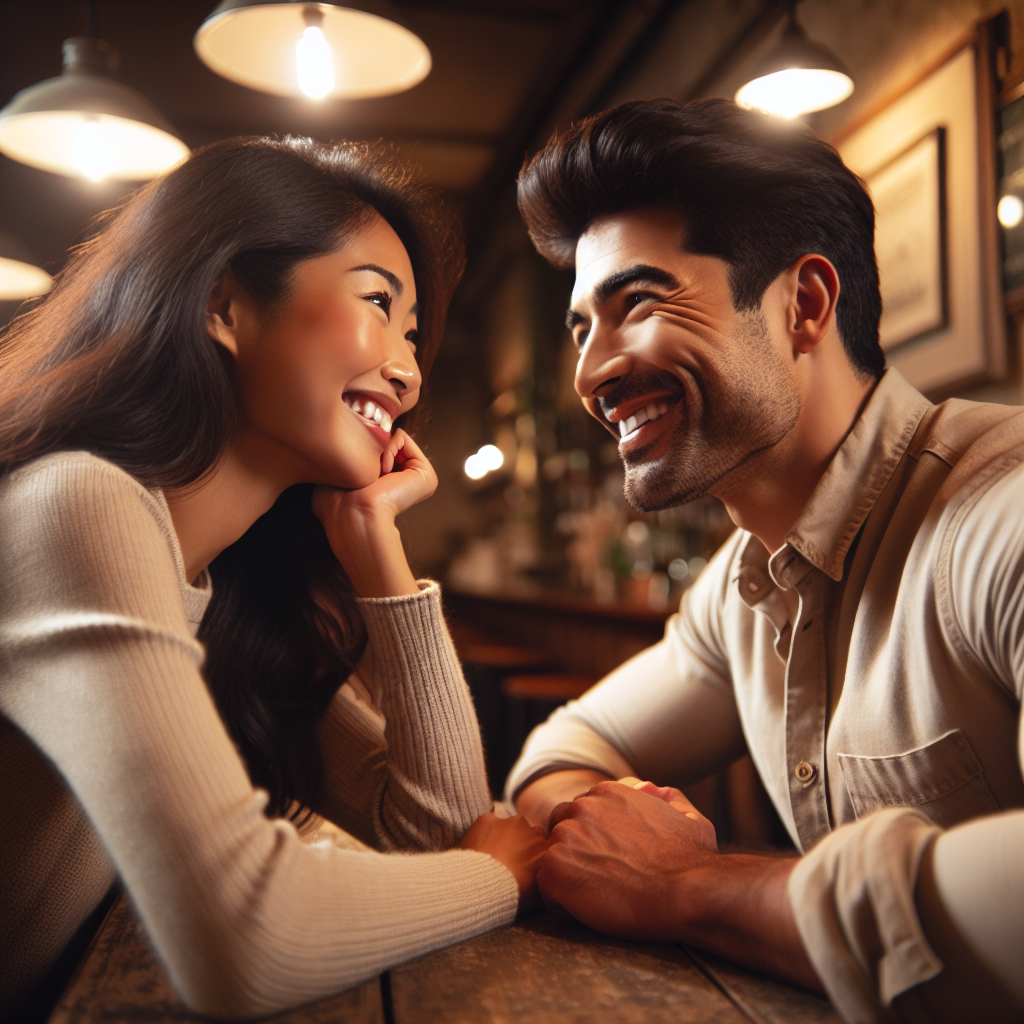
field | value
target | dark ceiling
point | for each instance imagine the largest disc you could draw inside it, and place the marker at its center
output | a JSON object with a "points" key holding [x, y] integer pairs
{"points": [[505, 72]]}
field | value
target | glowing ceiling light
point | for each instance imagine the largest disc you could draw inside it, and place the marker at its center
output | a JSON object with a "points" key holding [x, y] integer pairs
{"points": [[795, 91], [798, 76], [314, 62], [20, 278], [1010, 211], [360, 48], [487, 459], [93, 150], [84, 122]]}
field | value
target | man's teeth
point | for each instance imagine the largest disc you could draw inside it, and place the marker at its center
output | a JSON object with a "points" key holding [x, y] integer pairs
{"points": [[369, 411], [645, 415]]}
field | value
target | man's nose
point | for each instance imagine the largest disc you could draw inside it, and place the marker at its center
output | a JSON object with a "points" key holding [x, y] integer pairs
{"points": [[603, 361]]}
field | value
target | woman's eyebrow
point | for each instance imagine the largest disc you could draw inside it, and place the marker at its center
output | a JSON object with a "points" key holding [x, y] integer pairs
{"points": [[386, 274]]}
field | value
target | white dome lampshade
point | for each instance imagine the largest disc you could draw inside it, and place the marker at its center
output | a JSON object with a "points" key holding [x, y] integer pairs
{"points": [[353, 51], [798, 76], [86, 123], [20, 278]]}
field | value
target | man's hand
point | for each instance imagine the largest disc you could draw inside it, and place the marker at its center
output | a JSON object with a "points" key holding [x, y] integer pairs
{"points": [[638, 861], [616, 856]]}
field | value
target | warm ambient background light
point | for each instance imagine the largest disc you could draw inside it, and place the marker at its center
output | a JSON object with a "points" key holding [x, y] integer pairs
{"points": [[85, 123], [321, 50], [486, 460], [797, 77], [1010, 211]]}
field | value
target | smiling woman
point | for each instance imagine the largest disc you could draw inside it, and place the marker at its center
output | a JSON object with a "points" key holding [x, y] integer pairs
{"points": [[201, 438]]}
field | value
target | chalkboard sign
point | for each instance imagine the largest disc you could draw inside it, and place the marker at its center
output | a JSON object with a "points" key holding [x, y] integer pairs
{"points": [[1010, 169]]}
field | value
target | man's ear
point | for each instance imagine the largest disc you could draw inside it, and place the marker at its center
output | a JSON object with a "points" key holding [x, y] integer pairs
{"points": [[813, 301], [222, 311]]}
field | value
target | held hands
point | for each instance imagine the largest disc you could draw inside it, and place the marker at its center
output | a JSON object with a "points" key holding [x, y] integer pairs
{"points": [[517, 844], [617, 853], [360, 524]]}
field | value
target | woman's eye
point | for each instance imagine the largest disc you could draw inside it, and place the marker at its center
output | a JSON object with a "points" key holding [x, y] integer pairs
{"points": [[383, 300], [412, 337]]}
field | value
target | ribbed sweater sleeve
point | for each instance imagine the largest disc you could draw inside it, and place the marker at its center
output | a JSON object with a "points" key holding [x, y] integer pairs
{"points": [[421, 782], [100, 671]]}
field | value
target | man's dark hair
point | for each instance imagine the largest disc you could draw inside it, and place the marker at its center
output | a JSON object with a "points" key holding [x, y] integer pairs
{"points": [[752, 189]]}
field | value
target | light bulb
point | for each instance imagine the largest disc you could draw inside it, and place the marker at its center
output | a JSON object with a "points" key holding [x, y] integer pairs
{"points": [[93, 151], [1010, 211], [314, 63], [795, 91]]}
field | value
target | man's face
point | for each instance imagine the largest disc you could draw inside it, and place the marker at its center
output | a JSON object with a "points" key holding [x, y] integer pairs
{"points": [[690, 387]]}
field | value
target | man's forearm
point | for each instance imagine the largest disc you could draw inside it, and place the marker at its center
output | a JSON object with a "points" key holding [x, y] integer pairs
{"points": [[736, 905], [543, 795]]}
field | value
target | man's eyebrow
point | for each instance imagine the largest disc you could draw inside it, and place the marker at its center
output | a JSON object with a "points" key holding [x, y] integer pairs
{"points": [[639, 272], [386, 274]]}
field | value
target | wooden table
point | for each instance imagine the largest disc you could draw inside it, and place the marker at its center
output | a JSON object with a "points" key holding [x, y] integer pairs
{"points": [[544, 969]]}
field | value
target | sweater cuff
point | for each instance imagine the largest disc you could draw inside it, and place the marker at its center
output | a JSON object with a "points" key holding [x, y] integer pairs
{"points": [[853, 900]]}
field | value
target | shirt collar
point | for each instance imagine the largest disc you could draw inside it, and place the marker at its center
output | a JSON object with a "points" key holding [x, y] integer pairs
{"points": [[849, 488]]}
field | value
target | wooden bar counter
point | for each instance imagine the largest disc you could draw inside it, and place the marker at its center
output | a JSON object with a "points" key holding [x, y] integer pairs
{"points": [[544, 969]]}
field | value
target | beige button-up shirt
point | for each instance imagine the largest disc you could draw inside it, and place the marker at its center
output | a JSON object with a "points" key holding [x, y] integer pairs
{"points": [[875, 661]]}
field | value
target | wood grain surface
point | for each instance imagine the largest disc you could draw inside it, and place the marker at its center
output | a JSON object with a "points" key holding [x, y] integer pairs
{"points": [[549, 969], [120, 981], [544, 969], [763, 1000]]}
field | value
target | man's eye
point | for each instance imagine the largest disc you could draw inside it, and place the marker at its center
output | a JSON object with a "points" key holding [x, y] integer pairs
{"points": [[581, 337], [382, 299], [637, 298]]}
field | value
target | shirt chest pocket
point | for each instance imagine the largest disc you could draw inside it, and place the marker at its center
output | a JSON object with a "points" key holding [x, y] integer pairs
{"points": [[943, 779]]}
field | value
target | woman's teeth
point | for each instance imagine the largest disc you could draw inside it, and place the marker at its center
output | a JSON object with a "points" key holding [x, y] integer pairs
{"points": [[369, 411], [646, 415]]}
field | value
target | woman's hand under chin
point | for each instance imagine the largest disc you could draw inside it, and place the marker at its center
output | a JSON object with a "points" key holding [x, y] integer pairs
{"points": [[360, 524]]}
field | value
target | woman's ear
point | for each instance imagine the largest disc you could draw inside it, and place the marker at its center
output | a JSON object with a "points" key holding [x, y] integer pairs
{"points": [[222, 311], [815, 293]]}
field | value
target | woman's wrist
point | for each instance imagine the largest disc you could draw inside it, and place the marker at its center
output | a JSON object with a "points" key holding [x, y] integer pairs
{"points": [[374, 559]]}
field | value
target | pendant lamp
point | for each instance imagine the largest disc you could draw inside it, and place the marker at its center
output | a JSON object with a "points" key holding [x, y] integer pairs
{"points": [[318, 50], [20, 278], [798, 76], [86, 123]]}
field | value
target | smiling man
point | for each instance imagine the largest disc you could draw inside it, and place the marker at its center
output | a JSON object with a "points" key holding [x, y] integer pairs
{"points": [[861, 633]]}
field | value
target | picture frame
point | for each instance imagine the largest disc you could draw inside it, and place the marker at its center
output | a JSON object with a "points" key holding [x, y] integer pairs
{"points": [[909, 194], [939, 262]]}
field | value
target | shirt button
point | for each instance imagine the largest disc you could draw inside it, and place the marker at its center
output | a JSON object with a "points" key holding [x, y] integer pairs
{"points": [[805, 772]]}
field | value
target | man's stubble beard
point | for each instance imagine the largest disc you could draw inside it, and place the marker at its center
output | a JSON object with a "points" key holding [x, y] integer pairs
{"points": [[750, 407]]}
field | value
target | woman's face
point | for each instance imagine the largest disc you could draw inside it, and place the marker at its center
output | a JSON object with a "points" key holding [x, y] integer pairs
{"points": [[324, 374]]}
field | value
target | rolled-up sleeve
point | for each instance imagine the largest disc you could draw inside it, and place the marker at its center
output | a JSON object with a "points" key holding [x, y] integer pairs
{"points": [[667, 714]]}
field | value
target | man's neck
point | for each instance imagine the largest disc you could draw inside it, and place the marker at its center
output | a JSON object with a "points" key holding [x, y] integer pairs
{"points": [[767, 494]]}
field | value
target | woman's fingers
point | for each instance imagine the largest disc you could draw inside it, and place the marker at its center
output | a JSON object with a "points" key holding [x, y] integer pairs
{"points": [[672, 796]]}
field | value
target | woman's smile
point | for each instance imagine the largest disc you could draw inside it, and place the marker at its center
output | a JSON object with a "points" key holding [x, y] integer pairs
{"points": [[372, 412]]}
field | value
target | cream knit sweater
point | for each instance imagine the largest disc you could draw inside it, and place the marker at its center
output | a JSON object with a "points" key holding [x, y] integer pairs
{"points": [[114, 761]]}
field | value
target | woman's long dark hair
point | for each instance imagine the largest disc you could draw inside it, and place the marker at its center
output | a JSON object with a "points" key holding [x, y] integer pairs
{"points": [[117, 361]]}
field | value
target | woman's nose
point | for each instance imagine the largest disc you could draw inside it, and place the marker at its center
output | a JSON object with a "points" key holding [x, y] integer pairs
{"points": [[402, 372]]}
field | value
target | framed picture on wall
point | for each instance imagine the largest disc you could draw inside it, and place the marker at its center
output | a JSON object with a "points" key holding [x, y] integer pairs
{"points": [[927, 159], [910, 241]]}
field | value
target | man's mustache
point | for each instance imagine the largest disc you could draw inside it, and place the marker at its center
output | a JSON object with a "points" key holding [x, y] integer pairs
{"points": [[639, 385]]}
